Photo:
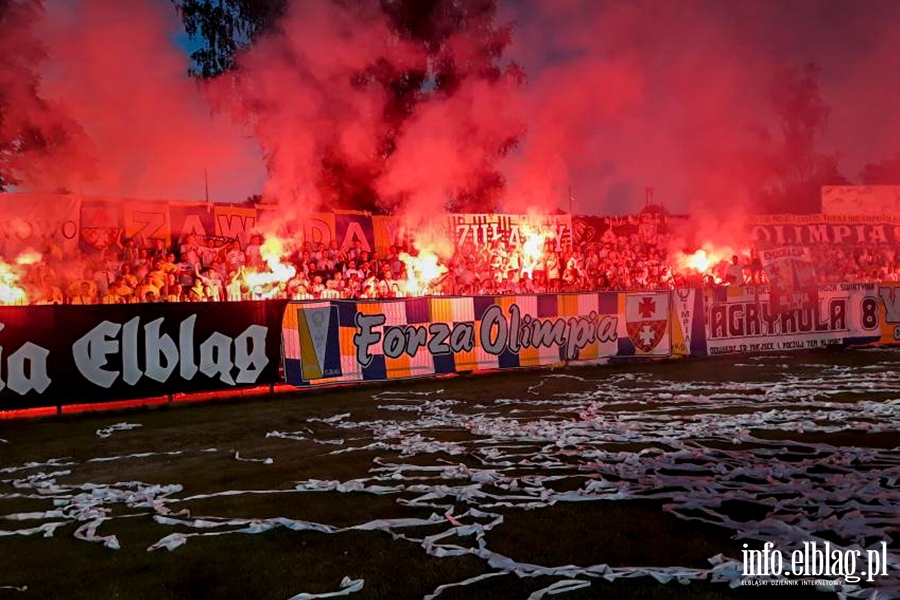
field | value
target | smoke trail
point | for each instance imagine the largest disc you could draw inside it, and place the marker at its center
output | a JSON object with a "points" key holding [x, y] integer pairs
{"points": [[679, 97], [119, 74], [38, 140]]}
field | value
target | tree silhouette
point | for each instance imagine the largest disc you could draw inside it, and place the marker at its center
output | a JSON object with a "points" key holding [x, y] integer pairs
{"points": [[795, 168], [37, 138], [886, 172], [224, 27]]}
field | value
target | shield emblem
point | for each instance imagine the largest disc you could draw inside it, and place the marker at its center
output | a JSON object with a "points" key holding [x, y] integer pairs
{"points": [[99, 238], [646, 320], [99, 225]]}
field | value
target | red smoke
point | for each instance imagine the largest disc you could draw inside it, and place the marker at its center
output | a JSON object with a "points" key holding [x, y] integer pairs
{"points": [[299, 91], [448, 143], [636, 95], [619, 97], [38, 142], [152, 133], [699, 122], [566, 108]]}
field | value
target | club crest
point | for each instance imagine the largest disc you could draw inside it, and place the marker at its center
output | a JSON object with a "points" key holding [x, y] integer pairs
{"points": [[647, 320]]}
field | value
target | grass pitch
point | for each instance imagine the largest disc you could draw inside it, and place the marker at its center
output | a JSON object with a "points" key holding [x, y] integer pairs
{"points": [[601, 417]]}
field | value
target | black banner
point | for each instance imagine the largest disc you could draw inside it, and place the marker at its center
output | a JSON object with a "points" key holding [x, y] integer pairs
{"points": [[57, 355], [647, 226]]}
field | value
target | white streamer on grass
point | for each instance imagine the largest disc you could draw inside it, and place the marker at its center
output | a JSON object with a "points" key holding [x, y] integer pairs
{"points": [[239, 458], [106, 432], [348, 586], [694, 446]]}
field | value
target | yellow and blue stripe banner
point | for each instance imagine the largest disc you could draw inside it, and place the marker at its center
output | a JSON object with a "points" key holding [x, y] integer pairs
{"points": [[363, 340], [887, 313], [371, 340]]}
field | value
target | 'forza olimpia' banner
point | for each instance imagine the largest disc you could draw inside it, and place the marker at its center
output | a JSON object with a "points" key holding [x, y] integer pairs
{"points": [[345, 341], [742, 319]]}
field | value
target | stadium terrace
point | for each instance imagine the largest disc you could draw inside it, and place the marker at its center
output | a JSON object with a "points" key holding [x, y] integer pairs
{"points": [[90, 251]]}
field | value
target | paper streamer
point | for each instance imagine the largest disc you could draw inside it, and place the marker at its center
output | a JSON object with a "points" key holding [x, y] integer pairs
{"points": [[560, 587], [348, 586], [692, 445], [265, 461], [106, 432]]}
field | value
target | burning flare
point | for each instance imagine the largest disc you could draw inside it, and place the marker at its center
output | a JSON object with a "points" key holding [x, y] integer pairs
{"points": [[29, 257], [533, 242], [10, 292], [421, 271], [272, 251], [704, 261]]}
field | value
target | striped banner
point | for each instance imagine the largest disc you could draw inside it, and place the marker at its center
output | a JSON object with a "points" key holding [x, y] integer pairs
{"points": [[344, 341]]}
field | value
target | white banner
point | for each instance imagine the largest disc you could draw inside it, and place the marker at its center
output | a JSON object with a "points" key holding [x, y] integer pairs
{"points": [[865, 200], [741, 320], [35, 220]]}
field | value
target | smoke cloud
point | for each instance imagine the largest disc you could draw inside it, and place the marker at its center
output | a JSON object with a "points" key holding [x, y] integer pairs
{"points": [[310, 90], [38, 141], [149, 131], [449, 143], [678, 96], [619, 97]]}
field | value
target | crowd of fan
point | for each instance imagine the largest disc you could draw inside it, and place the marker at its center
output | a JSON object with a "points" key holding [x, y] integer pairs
{"points": [[837, 264], [130, 271]]}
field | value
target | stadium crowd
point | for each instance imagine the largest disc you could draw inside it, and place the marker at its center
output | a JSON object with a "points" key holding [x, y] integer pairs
{"points": [[131, 271]]}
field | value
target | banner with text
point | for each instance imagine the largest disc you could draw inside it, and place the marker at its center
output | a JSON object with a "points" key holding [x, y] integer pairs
{"points": [[742, 319], [805, 230], [344, 341], [34, 221], [791, 275], [485, 229], [57, 355]]}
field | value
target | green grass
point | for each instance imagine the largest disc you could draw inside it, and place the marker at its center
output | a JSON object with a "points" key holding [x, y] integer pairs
{"points": [[280, 563]]}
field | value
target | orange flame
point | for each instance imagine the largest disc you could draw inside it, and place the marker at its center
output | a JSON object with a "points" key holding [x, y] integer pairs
{"points": [[272, 251], [421, 271], [703, 261], [532, 243], [10, 291], [29, 257]]}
